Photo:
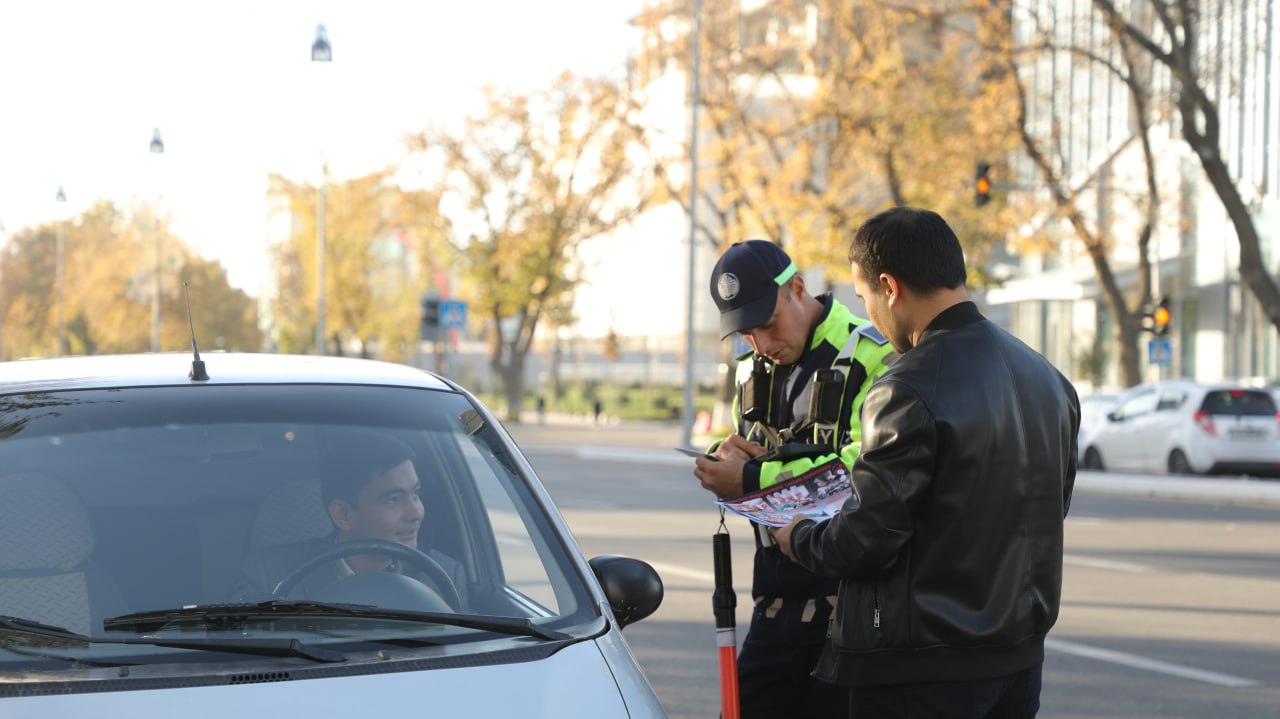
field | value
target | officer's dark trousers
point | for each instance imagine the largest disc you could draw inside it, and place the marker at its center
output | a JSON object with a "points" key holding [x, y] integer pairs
{"points": [[1016, 696], [774, 663]]}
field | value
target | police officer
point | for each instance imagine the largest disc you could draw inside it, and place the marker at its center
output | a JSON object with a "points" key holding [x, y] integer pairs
{"points": [[796, 409]]}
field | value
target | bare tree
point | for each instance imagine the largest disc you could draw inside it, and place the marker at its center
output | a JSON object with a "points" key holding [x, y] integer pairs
{"points": [[1172, 39]]}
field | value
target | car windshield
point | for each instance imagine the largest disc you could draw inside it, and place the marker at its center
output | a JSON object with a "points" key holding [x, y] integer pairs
{"points": [[237, 512]]}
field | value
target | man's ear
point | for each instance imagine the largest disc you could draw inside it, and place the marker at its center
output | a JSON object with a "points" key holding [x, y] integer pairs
{"points": [[340, 512], [891, 288]]}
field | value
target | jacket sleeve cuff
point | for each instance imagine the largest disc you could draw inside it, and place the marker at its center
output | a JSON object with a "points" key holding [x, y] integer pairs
{"points": [[750, 477], [801, 536]]}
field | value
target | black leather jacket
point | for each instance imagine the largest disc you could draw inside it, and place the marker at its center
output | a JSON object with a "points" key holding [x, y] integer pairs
{"points": [[950, 550]]}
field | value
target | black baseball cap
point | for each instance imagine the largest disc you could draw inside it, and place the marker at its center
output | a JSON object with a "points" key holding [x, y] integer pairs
{"points": [[745, 282]]}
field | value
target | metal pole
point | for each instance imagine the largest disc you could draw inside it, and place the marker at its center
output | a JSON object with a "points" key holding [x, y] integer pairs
{"points": [[320, 256], [57, 274], [4, 252], [156, 148], [155, 288], [689, 345]]}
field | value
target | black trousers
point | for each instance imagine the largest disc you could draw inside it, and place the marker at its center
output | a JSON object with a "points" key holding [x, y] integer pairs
{"points": [[775, 662], [1016, 696]]}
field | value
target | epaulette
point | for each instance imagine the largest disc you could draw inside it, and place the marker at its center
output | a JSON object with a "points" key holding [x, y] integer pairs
{"points": [[869, 331]]}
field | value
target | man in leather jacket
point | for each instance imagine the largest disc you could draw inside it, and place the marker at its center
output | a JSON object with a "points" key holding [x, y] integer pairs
{"points": [[950, 550]]}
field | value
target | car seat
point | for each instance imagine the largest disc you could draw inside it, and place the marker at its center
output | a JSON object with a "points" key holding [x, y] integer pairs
{"points": [[45, 544]]}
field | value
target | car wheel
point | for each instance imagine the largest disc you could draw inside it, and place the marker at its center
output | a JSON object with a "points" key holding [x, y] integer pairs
{"points": [[1178, 463], [1092, 459]]}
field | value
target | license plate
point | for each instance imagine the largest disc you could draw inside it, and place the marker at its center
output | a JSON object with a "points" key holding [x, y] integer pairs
{"points": [[1247, 433]]}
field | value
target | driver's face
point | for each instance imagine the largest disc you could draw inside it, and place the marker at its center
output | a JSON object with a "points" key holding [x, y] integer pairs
{"points": [[388, 508]]}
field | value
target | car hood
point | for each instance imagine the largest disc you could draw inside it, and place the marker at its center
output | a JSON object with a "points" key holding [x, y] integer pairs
{"points": [[575, 681]]}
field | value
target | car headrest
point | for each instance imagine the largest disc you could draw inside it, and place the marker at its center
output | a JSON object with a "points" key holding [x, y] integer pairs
{"points": [[42, 524], [290, 513]]}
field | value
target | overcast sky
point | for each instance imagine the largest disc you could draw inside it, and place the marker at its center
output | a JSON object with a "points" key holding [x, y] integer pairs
{"points": [[232, 89]]}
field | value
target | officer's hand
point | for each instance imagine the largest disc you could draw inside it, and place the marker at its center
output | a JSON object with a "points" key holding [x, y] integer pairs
{"points": [[738, 448], [722, 478]]}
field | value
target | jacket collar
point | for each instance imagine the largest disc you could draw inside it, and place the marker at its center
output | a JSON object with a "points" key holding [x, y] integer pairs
{"points": [[957, 315]]}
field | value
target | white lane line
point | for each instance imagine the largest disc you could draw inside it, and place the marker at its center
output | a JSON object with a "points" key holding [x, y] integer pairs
{"points": [[1060, 645], [1078, 561], [639, 456], [707, 578], [1151, 665]]}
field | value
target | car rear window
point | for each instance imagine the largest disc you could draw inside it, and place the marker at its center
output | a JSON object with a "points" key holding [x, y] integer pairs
{"points": [[1239, 402]]}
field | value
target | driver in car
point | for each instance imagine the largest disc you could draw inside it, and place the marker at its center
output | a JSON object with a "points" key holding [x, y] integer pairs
{"points": [[371, 491]]}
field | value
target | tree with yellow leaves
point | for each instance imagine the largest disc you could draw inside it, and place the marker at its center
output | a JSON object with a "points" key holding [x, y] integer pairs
{"points": [[535, 175]]}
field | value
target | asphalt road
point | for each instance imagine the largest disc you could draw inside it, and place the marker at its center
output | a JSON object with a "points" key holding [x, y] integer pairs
{"points": [[1170, 608]]}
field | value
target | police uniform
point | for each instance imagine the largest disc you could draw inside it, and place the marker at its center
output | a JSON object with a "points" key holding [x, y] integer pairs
{"points": [[806, 413]]}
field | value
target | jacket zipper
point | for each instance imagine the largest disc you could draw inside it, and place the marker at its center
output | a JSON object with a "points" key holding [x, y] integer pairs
{"points": [[875, 601]]}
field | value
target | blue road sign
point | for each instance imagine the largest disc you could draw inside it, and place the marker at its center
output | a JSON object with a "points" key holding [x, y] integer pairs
{"points": [[1159, 352], [453, 315]]}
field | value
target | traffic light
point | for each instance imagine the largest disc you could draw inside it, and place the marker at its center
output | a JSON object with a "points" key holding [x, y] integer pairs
{"points": [[1156, 319], [430, 324], [1160, 317], [982, 185]]}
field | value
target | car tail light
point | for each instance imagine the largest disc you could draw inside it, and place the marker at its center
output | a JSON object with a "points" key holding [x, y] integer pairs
{"points": [[1205, 420]]}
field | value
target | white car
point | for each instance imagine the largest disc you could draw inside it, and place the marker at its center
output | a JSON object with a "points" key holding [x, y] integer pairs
{"points": [[1093, 414], [1182, 427], [144, 499]]}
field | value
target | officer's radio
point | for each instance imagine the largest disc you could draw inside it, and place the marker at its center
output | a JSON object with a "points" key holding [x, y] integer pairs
{"points": [[753, 395], [824, 399]]}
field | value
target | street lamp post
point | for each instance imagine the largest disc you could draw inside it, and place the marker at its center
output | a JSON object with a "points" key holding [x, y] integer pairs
{"points": [[690, 348], [321, 51], [157, 148], [58, 271]]}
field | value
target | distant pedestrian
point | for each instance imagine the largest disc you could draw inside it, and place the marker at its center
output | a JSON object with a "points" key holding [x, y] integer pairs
{"points": [[542, 409], [596, 408]]}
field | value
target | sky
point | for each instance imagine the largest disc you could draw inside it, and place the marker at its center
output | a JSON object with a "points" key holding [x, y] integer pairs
{"points": [[232, 89]]}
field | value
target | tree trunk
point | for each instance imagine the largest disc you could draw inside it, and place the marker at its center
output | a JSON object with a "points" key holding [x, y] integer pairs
{"points": [[511, 370]]}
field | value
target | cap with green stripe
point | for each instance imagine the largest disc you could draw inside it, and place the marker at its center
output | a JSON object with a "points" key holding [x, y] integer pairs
{"points": [[745, 282]]}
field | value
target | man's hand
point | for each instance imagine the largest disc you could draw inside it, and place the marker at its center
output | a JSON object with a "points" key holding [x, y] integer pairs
{"points": [[723, 478], [735, 447], [782, 535]]}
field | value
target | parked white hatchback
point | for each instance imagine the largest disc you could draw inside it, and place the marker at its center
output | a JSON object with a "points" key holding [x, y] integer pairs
{"points": [[1183, 427]]}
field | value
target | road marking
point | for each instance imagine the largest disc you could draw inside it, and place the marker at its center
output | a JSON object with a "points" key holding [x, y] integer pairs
{"points": [[679, 571], [1078, 561], [639, 456], [1151, 665]]}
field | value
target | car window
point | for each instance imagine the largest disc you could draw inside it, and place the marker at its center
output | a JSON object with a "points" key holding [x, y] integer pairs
{"points": [[1170, 400], [147, 499], [1139, 404], [1253, 403]]}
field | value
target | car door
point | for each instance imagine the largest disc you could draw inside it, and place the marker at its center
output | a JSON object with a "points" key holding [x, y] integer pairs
{"points": [[1116, 440], [1153, 433]]}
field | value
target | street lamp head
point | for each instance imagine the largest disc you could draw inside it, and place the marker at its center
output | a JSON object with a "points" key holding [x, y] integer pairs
{"points": [[321, 51], [61, 196], [157, 144]]}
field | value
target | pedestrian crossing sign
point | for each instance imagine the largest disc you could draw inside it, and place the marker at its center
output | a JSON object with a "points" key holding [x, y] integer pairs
{"points": [[453, 315]]}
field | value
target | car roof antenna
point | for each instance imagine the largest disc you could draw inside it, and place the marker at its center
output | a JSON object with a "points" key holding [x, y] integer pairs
{"points": [[197, 366]]}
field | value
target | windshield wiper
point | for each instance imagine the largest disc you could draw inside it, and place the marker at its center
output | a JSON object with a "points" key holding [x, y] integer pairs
{"points": [[236, 614], [266, 646]]}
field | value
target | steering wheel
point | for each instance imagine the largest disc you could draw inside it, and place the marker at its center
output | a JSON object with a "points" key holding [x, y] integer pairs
{"points": [[412, 555]]}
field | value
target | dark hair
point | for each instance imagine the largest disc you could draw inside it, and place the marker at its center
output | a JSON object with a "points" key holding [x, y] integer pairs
{"points": [[352, 458], [915, 246]]}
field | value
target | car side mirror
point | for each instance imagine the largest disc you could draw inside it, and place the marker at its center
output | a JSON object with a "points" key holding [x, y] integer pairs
{"points": [[1114, 416], [633, 588]]}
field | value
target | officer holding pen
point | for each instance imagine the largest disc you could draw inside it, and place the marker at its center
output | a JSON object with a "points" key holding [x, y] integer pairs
{"points": [[800, 390]]}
